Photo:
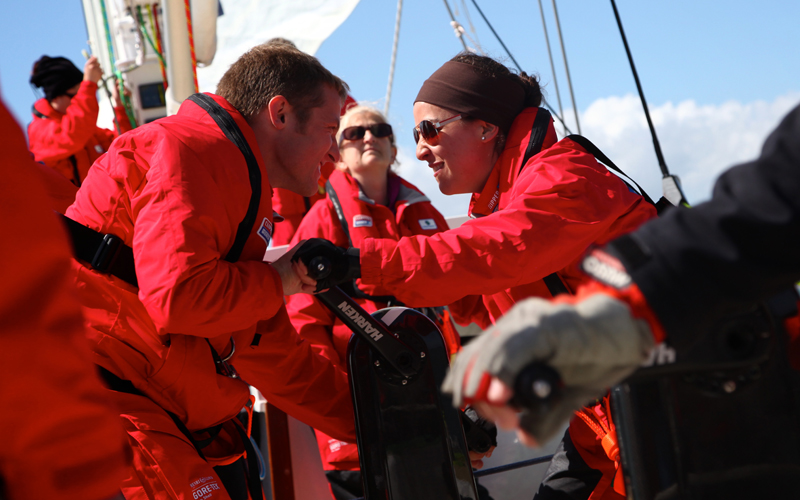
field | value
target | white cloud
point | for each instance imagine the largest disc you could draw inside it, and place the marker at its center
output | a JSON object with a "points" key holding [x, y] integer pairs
{"points": [[698, 143]]}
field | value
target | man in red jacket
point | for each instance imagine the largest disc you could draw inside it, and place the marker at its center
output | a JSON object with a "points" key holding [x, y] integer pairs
{"points": [[190, 196], [60, 440], [63, 134]]}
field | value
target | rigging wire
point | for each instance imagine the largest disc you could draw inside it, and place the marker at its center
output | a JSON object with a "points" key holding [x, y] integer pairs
{"points": [[661, 163], [550, 55], [544, 100], [566, 66], [456, 27], [394, 58], [477, 41]]}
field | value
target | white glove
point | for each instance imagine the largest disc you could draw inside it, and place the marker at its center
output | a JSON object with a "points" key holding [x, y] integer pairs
{"points": [[593, 345]]}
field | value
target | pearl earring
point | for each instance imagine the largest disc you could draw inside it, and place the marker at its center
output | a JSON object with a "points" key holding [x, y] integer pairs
{"points": [[483, 138]]}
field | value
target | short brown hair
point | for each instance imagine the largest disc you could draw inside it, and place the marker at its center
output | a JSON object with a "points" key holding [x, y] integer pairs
{"points": [[273, 69]]}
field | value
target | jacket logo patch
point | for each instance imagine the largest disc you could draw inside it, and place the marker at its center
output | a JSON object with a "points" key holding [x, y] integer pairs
{"points": [[265, 231], [606, 269], [427, 224], [361, 220]]}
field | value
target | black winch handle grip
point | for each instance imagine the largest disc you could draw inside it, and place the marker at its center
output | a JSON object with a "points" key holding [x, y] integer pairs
{"points": [[319, 267], [536, 387]]}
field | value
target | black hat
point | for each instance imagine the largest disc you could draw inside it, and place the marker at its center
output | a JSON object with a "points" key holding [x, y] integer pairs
{"points": [[55, 75]]}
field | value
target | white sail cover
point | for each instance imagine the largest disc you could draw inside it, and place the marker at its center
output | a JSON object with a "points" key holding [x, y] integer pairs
{"points": [[247, 23]]}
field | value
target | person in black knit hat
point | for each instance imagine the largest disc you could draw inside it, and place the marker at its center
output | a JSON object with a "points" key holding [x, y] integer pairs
{"points": [[63, 134]]}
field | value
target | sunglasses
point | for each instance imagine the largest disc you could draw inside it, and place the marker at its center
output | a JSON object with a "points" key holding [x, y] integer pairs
{"points": [[379, 130], [430, 130]]}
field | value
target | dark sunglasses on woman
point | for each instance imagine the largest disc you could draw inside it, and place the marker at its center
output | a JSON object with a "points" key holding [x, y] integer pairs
{"points": [[430, 130], [379, 130]]}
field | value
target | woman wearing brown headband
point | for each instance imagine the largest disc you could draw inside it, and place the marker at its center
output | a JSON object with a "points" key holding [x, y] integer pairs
{"points": [[537, 205]]}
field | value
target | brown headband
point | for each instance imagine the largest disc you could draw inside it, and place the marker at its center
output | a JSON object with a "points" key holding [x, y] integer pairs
{"points": [[459, 86]]}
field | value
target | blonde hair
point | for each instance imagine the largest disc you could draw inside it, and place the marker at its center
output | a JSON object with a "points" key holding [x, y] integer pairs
{"points": [[360, 109], [363, 109]]}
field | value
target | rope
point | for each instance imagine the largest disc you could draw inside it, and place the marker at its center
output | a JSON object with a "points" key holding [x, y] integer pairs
{"points": [[191, 42], [456, 27], [566, 66], [394, 58], [476, 41], [550, 55], [111, 59], [544, 99], [154, 19], [147, 35]]}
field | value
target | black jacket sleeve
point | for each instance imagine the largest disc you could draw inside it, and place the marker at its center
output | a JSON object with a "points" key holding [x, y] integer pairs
{"points": [[695, 265]]}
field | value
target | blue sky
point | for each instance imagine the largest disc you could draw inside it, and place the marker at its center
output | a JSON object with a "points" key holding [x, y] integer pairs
{"points": [[717, 75]]}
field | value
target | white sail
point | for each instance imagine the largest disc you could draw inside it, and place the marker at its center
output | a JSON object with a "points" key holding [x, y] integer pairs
{"points": [[246, 23]]}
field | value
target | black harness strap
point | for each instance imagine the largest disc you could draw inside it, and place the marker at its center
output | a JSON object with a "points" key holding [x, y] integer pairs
{"points": [[555, 285], [538, 133], [106, 253], [594, 150], [37, 113], [541, 123], [337, 206], [232, 131], [75, 172]]}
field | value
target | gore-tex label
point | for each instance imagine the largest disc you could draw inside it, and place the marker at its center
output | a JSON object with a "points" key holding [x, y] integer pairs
{"points": [[360, 321], [204, 488]]}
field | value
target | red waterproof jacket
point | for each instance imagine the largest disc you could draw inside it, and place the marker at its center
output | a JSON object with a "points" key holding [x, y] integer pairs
{"points": [[71, 142], [533, 220], [176, 190], [59, 439], [411, 213]]}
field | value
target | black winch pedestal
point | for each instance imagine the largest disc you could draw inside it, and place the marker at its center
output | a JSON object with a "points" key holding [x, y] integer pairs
{"points": [[410, 441]]}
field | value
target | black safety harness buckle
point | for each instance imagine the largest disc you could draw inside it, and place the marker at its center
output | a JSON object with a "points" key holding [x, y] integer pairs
{"points": [[107, 253]]}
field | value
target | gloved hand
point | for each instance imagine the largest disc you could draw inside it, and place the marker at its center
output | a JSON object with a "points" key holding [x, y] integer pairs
{"points": [[328, 264], [592, 344]]}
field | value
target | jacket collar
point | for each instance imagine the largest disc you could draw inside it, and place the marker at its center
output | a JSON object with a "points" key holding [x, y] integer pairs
{"points": [[507, 168], [43, 108], [401, 193]]}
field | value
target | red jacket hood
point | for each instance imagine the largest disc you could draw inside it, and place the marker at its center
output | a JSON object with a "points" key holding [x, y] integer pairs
{"points": [[508, 166]]}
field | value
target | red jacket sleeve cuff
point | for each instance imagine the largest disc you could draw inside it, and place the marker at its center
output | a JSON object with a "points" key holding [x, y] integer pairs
{"points": [[630, 295], [89, 86]]}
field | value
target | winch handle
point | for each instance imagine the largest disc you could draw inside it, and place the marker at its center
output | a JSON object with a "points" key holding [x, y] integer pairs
{"points": [[537, 386], [403, 359]]}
